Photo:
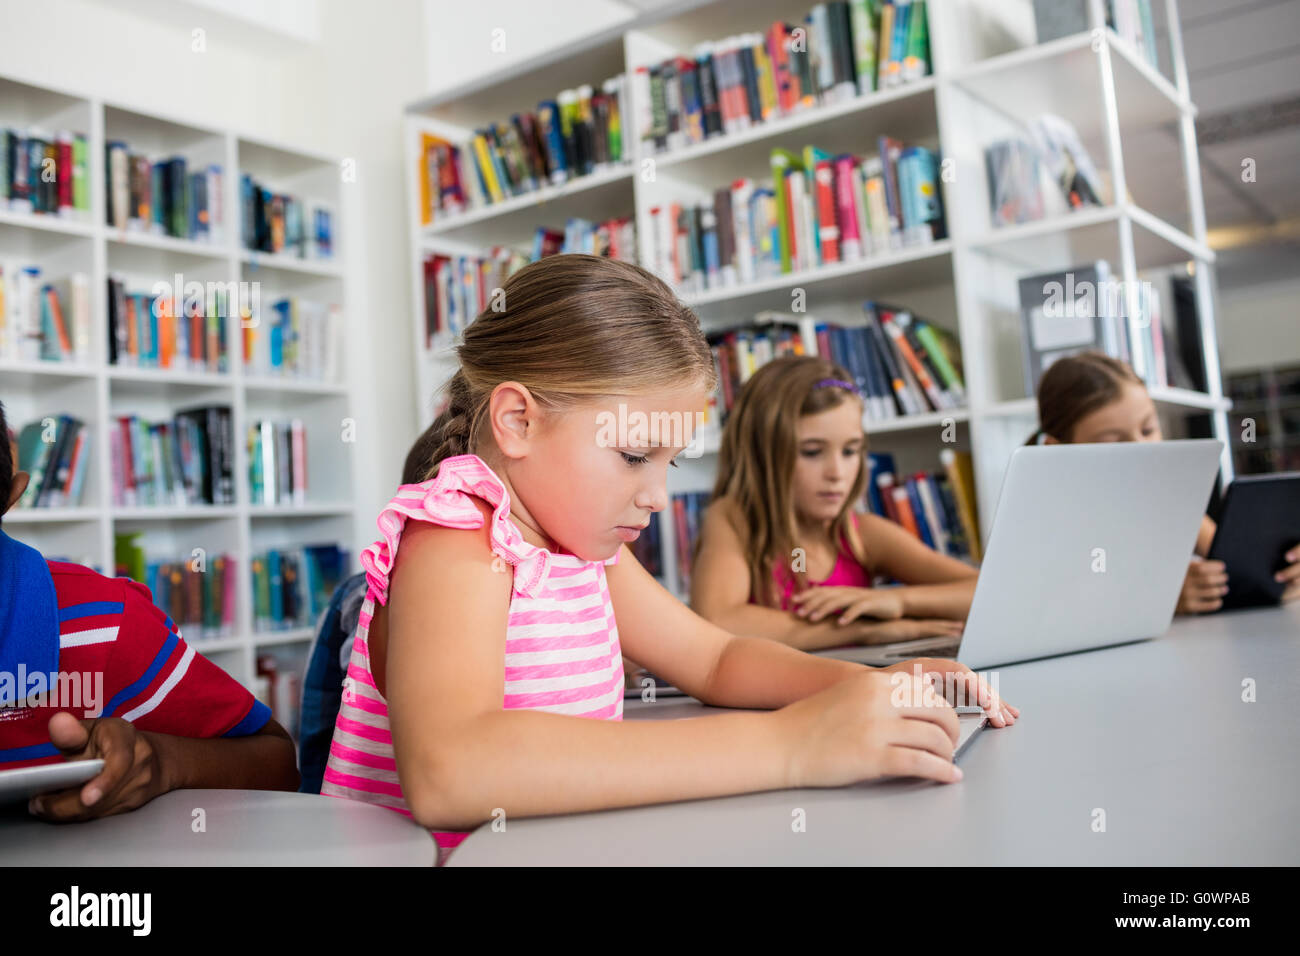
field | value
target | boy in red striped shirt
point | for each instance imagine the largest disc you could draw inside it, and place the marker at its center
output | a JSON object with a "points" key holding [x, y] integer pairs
{"points": [[90, 668]]}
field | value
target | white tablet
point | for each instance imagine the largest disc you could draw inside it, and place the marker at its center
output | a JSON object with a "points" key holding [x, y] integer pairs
{"points": [[19, 786]]}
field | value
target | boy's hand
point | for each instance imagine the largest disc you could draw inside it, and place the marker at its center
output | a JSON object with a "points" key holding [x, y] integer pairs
{"points": [[1203, 588], [1291, 575], [880, 603], [948, 674], [132, 775]]}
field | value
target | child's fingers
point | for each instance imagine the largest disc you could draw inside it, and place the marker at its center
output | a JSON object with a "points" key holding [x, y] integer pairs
{"points": [[115, 745], [60, 806], [1291, 573], [863, 608], [910, 762], [1212, 579], [68, 733]]}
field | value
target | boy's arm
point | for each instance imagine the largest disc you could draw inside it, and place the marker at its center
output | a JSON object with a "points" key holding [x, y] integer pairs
{"points": [[140, 765], [262, 761], [165, 718]]}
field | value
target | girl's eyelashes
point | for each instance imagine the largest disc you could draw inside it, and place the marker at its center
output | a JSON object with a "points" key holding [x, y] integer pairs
{"points": [[816, 452], [634, 460]]}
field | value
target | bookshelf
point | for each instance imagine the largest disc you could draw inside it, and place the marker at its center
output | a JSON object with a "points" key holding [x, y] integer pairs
{"points": [[96, 391], [989, 77], [1267, 401]]}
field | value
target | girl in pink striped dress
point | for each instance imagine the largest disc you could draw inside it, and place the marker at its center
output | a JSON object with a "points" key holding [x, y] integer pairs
{"points": [[486, 679]]}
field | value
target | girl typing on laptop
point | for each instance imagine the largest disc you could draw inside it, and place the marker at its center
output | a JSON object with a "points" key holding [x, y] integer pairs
{"points": [[486, 673], [784, 554], [1091, 397]]}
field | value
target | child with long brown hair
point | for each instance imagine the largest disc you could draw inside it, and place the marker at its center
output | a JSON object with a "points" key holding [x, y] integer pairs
{"points": [[1091, 397], [501, 594], [783, 547]]}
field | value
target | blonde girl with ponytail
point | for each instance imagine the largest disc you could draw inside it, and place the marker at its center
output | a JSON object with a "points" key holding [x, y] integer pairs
{"points": [[487, 667]]}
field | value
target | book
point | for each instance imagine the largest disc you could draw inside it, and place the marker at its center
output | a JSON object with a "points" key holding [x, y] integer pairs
{"points": [[277, 462], [1069, 312], [284, 224], [961, 478], [1013, 182], [821, 209], [167, 327], [55, 452], [43, 319], [292, 587], [186, 460], [835, 51]]}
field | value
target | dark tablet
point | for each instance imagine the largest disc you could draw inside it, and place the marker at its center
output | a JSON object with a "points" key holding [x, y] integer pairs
{"points": [[1259, 523]]}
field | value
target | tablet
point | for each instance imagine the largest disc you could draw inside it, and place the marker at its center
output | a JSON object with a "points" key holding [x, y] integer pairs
{"points": [[1259, 523], [19, 786]]}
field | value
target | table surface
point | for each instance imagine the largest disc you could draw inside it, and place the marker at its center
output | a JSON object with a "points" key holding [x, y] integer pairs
{"points": [[241, 828], [1153, 741]]}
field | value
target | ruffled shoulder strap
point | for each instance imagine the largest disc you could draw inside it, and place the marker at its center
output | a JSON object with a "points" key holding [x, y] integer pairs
{"points": [[446, 500]]}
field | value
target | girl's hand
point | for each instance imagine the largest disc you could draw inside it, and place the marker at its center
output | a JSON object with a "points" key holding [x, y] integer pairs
{"points": [[1291, 575], [871, 725], [973, 691], [905, 629], [1203, 588], [132, 775], [881, 603]]}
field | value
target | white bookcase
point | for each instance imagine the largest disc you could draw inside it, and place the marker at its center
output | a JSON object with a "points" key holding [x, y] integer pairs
{"points": [[989, 78], [97, 391]]}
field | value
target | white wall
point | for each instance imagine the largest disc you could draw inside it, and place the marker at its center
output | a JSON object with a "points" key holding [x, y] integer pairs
{"points": [[343, 96], [1260, 326], [461, 35]]}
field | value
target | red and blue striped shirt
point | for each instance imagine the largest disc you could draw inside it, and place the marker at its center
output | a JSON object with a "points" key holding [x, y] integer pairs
{"points": [[119, 655]]}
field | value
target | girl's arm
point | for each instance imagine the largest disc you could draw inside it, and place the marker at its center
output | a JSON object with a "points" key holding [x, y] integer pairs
{"points": [[460, 756], [724, 669], [934, 585], [720, 594]]}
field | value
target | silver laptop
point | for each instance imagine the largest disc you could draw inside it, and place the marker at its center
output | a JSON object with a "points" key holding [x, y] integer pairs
{"points": [[1089, 547]]}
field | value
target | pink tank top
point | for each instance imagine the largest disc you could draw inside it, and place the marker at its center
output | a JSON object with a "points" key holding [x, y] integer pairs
{"points": [[846, 573], [562, 652]]}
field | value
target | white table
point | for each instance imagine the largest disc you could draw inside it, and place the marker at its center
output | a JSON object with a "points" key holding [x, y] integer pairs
{"points": [[1154, 734], [242, 828]]}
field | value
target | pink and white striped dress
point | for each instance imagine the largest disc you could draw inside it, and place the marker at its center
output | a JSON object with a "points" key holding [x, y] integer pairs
{"points": [[562, 651]]}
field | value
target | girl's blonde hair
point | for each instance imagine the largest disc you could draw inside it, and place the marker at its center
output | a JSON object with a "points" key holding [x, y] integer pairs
{"points": [[1074, 387], [757, 461], [569, 328]]}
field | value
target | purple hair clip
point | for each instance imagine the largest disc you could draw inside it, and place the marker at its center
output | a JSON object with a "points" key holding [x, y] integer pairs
{"points": [[838, 382]]}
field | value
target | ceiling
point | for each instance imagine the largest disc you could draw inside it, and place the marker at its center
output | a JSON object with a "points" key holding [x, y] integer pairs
{"points": [[1243, 64]]}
